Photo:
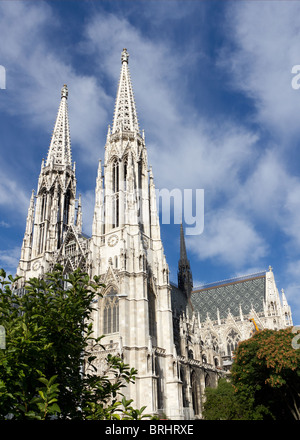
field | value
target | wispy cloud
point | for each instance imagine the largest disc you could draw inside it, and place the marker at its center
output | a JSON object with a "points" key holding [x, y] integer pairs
{"points": [[245, 163]]}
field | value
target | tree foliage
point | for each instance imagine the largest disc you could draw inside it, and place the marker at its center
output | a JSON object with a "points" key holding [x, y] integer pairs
{"points": [[49, 341], [266, 374], [222, 403]]}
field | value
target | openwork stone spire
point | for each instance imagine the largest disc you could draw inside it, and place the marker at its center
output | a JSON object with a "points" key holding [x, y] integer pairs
{"points": [[125, 116], [60, 146]]}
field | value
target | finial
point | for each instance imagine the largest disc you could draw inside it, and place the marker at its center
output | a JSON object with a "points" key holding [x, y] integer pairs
{"points": [[64, 91], [270, 268], [124, 56]]}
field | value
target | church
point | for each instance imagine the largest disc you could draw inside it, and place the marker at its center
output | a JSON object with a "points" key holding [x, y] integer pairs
{"points": [[179, 338]]}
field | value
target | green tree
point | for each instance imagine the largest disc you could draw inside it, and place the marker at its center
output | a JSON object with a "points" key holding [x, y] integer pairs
{"points": [[220, 403], [266, 374], [223, 403], [49, 340]]}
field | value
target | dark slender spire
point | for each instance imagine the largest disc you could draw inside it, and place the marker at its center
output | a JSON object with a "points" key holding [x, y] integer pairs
{"points": [[183, 256], [185, 279]]}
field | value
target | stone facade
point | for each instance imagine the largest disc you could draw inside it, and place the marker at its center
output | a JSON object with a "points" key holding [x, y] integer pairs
{"points": [[156, 327]]}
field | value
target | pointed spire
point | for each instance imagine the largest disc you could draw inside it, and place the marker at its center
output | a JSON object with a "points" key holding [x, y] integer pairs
{"points": [[125, 117], [185, 279], [183, 256], [60, 146]]}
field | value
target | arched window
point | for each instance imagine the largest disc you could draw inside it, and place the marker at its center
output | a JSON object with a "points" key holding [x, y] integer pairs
{"points": [[111, 312], [43, 207], [140, 174], [42, 238], [152, 315], [195, 398], [232, 340], [67, 207], [125, 162], [215, 343], [115, 176], [115, 195]]}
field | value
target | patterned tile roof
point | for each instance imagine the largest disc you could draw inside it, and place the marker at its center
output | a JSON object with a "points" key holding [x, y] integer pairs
{"points": [[230, 295]]}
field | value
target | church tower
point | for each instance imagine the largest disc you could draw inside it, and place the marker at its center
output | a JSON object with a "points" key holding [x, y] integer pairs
{"points": [[135, 312], [52, 210]]}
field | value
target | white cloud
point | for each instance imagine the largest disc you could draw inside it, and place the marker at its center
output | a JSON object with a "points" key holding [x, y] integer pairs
{"points": [[186, 150], [264, 47], [9, 259], [228, 238], [12, 196], [36, 72]]}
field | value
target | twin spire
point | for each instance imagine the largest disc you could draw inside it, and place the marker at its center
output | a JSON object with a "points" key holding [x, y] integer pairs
{"points": [[125, 118], [60, 146], [125, 115]]}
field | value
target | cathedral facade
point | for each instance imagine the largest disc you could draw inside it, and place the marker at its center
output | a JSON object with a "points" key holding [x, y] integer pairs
{"points": [[180, 339]]}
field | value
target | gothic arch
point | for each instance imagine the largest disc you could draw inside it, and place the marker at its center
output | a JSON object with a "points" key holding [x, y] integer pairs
{"points": [[110, 310], [232, 340], [152, 315], [195, 392]]}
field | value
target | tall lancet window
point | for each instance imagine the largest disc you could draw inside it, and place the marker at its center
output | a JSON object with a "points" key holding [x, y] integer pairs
{"points": [[111, 312], [140, 175], [152, 316], [59, 219], [115, 195], [43, 207], [67, 207], [125, 162], [140, 188]]}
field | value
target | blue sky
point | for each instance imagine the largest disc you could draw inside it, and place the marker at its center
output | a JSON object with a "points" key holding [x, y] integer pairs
{"points": [[212, 83]]}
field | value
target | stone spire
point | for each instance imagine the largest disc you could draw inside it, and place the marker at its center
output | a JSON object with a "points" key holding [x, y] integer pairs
{"points": [[185, 279], [125, 116], [60, 146], [52, 210]]}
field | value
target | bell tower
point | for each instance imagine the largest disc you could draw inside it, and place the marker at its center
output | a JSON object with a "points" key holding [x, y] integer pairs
{"points": [[135, 311]]}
